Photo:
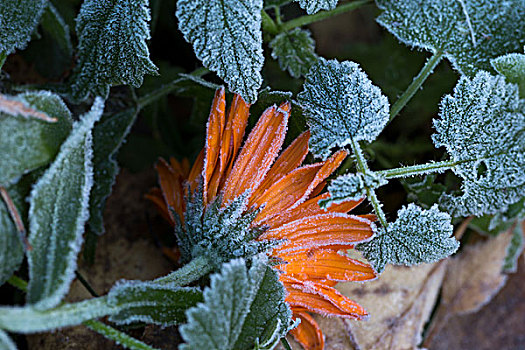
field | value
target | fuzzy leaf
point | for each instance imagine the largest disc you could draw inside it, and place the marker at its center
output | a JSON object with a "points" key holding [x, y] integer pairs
{"points": [[54, 24], [313, 6], [482, 125], [514, 249], [226, 37], [5, 342], [160, 303], [492, 225], [417, 236], [295, 50], [112, 46], [241, 308], [32, 128], [11, 252], [351, 187], [59, 208], [512, 66], [18, 20], [341, 104], [108, 136], [469, 32]]}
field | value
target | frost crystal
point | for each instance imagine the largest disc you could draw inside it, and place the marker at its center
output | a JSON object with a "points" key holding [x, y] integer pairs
{"points": [[482, 126], [112, 46], [241, 308], [512, 66], [18, 20], [59, 208], [295, 51], [341, 104], [226, 37], [417, 236], [469, 32], [351, 187], [313, 6]]}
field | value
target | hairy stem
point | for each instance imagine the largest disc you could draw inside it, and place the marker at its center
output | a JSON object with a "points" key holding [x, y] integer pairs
{"points": [[190, 272], [3, 56], [117, 336], [268, 25], [418, 81], [319, 16], [421, 169]]}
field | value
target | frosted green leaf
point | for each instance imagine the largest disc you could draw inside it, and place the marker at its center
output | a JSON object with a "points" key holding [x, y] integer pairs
{"points": [[241, 308], [469, 32], [32, 128], [54, 24], [112, 46], [313, 6], [512, 66], [11, 252], [59, 209], [271, 3], [5, 342], [492, 225], [151, 302], [514, 250], [417, 236], [18, 20], [482, 126], [351, 187], [108, 136], [226, 37], [341, 104], [295, 50]]}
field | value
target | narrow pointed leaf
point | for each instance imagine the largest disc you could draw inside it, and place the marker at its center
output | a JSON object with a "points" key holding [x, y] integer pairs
{"points": [[341, 104], [59, 208], [54, 24], [295, 51], [469, 32], [32, 128], [112, 46], [241, 308], [313, 6], [18, 20], [514, 249], [226, 37]]}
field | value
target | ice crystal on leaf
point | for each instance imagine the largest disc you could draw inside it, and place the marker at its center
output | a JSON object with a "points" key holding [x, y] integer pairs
{"points": [[295, 50], [341, 105], [242, 308], [352, 187], [481, 126], [59, 208], [417, 236], [512, 66], [469, 32], [18, 20], [54, 24], [112, 46], [226, 37], [313, 6]]}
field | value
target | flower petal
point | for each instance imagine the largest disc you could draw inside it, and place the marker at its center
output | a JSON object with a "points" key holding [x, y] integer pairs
{"points": [[155, 195], [196, 169], [171, 186], [308, 333]]}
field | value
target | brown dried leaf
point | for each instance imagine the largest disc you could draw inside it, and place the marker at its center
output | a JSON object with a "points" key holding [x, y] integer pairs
{"points": [[16, 108]]}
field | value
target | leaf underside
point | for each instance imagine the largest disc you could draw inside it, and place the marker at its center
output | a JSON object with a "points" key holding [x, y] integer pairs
{"points": [[295, 51]]}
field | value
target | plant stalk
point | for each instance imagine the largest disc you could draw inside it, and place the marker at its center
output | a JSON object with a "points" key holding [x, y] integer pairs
{"points": [[190, 272], [268, 24], [437, 167], [117, 336]]}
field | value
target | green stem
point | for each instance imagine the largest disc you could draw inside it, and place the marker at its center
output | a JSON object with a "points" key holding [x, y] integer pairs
{"points": [[268, 25], [190, 272], [277, 11], [17, 282], [418, 169], [117, 336], [319, 16], [166, 89], [285, 343], [3, 57], [418, 81], [370, 193]]}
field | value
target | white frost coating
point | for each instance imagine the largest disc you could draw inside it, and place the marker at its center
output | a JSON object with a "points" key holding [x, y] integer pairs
{"points": [[240, 306], [58, 212], [351, 187], [295, 50], [313, 6], [482, 127], [417, 236], [512, 66], [18, 20], [5, 342], [227, 38], [112, 46], [470, 32]]}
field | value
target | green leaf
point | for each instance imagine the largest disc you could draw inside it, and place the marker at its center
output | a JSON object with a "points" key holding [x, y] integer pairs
{"points": [[492, 225], [151, 302], [514, 250], [112, 46], [295, 50], [226, 37], [469, 32], [482, 126], [5, 342], [417, 236], [241, 308], [425, 192], [18, 21], [11, 251], [59, 208], [313, 6], [108, 136], [341, 105], [32, 128], [512, 66], [351, 187], [53, 23]]}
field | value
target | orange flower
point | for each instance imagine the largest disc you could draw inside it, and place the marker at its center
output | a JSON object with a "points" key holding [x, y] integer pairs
{"points": [[287, 195]]}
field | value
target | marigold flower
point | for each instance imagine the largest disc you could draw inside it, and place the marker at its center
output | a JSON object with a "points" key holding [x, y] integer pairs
{"points": [[287, 195]]}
